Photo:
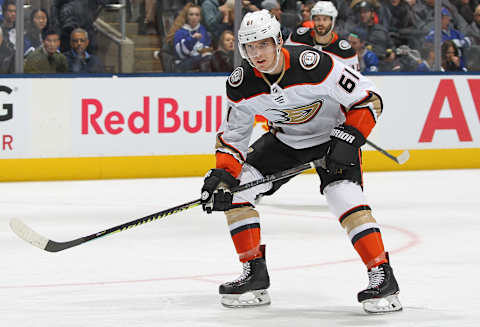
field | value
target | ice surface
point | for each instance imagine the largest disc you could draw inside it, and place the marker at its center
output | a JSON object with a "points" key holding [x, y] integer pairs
{"points": [[166, 273]]}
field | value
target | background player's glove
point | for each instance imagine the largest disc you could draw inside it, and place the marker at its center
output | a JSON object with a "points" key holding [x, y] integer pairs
{"points": [[216, 195], [343, 150]]}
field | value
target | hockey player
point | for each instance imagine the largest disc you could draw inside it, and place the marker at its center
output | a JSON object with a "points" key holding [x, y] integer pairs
{"points": [[318, 107], [322, 36]]}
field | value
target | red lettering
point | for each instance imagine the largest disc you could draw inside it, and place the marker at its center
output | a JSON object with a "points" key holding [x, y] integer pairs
{"points": [[208, 114], [446, 90], [7, 141], [475, 90], [219, 112], [114, 118], [144, 117], [93, 118], [186, 123], [172, 114]]}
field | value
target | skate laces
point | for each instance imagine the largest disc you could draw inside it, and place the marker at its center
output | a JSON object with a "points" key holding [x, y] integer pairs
{"points": [[245, 273], [376, 276]]}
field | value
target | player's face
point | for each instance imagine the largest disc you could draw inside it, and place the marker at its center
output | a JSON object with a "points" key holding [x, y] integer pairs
{"points": [[262, 53], [323, 24]]}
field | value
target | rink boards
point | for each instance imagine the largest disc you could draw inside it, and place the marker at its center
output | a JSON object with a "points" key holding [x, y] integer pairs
{"points": [[130, 127]]}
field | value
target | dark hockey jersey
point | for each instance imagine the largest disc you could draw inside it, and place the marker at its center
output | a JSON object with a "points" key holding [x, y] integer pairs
{"points": [[311, 98], [340, 49]]}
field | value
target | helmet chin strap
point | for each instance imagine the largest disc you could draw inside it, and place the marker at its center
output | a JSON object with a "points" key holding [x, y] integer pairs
{"points": [[279, 48]]}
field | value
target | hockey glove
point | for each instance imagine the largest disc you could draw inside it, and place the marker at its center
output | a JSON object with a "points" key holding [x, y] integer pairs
{"points": [[343, 151], [216, 195]]}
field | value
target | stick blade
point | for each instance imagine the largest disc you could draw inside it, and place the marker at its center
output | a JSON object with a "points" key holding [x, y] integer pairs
{"points": [[403, 157], [27, 234]]}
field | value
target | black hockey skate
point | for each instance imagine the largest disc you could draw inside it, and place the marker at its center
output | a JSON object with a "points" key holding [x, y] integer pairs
{"points": [[250, 288], [381, 294]]}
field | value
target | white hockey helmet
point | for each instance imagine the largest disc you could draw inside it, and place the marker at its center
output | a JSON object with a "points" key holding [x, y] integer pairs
{"points": [[325, 8], [259, 25]]}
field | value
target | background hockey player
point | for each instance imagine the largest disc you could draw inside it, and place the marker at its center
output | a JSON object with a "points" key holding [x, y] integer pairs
{"points": [[322, 36], [318, 107]]}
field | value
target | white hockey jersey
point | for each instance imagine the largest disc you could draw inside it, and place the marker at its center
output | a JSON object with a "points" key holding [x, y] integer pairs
{"points": [[310, 99], [340, 49]]}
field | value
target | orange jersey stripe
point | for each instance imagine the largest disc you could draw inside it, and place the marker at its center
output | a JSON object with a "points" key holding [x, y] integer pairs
{"points": [[229, 163], [362, 119]]}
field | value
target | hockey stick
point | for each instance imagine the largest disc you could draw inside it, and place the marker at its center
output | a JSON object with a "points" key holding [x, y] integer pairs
{"points": [[401, 159], [32, 237]]}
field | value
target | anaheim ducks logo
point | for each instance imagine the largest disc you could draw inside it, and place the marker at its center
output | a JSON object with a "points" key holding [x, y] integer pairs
{"points": [[299, 115]]}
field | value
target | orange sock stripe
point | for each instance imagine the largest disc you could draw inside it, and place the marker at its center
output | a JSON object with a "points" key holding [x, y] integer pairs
{"points": [[247, 243], [371, 250]]}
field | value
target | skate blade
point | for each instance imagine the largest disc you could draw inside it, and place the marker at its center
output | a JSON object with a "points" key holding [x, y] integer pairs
{"points": [[386, 304], [245, 300]]}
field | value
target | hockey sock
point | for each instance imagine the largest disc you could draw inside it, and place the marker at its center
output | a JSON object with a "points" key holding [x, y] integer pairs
{"points": [[364, 233], [244, 225]]}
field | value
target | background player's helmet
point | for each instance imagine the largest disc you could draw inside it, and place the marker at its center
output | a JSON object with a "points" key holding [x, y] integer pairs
{"points": [[259, 25], [325, 8]]}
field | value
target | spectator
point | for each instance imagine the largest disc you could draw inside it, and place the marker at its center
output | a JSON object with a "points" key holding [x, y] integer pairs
{"points": [[7, 56], [47, 59], [33, 35], [367, 59], [473, 31], [402, 59], [252, 5], [466, 8], [1, 10], [451, 61], [377, 35], [274, 7], [191, 42], [222, 60], [78, 58], [449, 33], [401, 21], [147, 19], [216, 17], [305, 19], [9, 9], [424, 11], [71, 14], [428, 59]]}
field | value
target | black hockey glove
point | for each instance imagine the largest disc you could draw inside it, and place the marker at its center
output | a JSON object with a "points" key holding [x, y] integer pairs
{"points": [[343, 150], [216, 195]]}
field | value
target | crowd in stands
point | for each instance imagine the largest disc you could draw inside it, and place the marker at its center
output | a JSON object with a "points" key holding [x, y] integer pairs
{"points": [[57, 39], [197, 35], [388, 35]]}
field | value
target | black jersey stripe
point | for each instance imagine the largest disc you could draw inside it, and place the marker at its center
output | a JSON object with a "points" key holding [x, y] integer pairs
{"points": [[229, 146]]}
